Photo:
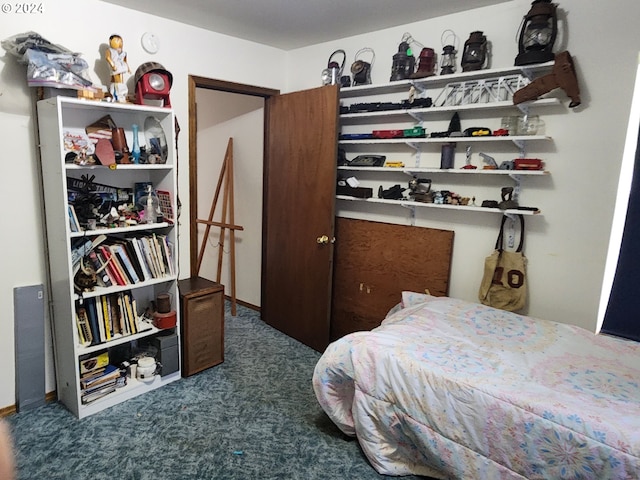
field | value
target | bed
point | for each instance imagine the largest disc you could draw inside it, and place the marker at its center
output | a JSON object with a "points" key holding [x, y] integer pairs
{"points": [[452, 389]]}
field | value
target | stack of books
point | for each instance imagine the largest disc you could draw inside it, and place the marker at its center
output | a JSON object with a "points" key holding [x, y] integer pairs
{"points": [[99, 382]]}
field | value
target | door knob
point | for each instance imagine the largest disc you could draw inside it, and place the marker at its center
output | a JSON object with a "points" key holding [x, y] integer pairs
{"points": [[323, 240]]}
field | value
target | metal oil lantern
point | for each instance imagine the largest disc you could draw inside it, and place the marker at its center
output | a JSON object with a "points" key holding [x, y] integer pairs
{"points": [[538, 33], [474, 54], [331, 75], [360, 69], [449, 50]]}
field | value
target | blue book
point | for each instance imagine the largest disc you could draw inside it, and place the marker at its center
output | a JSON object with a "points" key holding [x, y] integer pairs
{"points": [[90, 305]]}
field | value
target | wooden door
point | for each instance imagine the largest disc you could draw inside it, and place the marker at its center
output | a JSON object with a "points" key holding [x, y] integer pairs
{"points": [[299, 203]]}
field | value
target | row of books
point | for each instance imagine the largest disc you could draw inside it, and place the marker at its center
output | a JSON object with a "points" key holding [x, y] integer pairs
{"points": [[103, 318], [131, 259]]}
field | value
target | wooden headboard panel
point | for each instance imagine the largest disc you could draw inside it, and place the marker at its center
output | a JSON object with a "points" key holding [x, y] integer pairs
{"points": [[375, 262]]}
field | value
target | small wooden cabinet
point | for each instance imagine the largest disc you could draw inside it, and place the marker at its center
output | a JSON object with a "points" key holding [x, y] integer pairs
{"points": [[202, 336]]}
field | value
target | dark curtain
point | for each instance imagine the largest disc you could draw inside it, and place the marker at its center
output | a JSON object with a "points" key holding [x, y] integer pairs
{"points": [[622, 317]]}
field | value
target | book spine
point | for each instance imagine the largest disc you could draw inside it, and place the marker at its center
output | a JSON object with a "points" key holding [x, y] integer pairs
{"points": [[90, 305], [113, 261], [124, 326], [134, 307], [133, 257], [84, 329], [100, 319], [126, 263], [169, 254], [130, 317], [107, 317], [163, 254], [105, 260], [115, 314], [158, 252], [146, 246], [141, 259]]}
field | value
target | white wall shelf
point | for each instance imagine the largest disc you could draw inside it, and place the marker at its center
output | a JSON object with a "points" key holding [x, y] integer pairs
{"points": [[445, 171], [414, 204], [440, 81], [420, 141], [480, 96], [422, 114]]}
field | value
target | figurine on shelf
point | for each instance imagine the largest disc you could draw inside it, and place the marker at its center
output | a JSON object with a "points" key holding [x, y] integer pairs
{"points": [[117, 59]]}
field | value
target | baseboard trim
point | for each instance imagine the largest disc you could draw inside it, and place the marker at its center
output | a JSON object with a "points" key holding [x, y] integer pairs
{"points": [[243, 303], [11, 409]]}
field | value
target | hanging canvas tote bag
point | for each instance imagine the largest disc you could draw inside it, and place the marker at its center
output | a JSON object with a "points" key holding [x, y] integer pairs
{"points": [[504, 283]]}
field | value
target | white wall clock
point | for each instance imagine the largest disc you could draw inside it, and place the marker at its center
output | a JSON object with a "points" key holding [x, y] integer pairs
{"points": [[150, 42]]}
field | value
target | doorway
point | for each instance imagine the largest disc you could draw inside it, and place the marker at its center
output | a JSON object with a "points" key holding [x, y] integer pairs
{"points": [[299, 135], [219, 111]]}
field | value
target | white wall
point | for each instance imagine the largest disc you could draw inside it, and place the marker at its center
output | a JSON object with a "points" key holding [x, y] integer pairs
{"points": [[567, 246], [221, 116], [85, 26]]}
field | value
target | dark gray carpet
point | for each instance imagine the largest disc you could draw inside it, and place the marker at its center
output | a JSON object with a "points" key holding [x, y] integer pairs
{"points": [[253, 417]]}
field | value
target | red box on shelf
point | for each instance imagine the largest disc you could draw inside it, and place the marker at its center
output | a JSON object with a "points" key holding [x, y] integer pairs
{"points": [[528, 164]]}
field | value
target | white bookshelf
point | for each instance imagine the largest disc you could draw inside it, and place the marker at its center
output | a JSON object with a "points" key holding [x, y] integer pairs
{"points": [[55, 116]]}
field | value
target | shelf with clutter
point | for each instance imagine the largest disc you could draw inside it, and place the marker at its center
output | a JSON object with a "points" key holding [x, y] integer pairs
{"points": [[57, 71], [406, 119], [109, 177]]}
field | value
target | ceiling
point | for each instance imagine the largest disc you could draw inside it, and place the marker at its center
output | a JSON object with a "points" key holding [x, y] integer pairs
{"points": [[290, 24]]}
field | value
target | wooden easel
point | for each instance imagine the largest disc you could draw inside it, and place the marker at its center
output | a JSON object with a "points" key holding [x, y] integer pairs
{"points": [[226, 177]]}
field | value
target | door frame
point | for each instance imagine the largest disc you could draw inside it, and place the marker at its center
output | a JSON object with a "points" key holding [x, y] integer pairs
{"points": [[195, 82]]}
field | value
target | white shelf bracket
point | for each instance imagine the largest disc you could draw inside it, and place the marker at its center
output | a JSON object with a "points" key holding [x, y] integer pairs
{"points": [[418, 86], [527, 73], [416, 117], [516, 189], [412, 213], [418, 151], [510, 230], [520, 145]]}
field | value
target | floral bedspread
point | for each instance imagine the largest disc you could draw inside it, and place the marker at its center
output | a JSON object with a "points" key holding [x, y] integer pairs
{"points": [[454, 389]]}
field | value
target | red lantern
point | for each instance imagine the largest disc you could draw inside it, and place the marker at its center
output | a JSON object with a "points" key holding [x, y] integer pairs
{"points": [[153, 82]]}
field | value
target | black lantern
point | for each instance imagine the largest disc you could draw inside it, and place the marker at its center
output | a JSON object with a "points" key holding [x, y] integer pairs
{"points": [[537, 33], [474, 54], [403, 63]]}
